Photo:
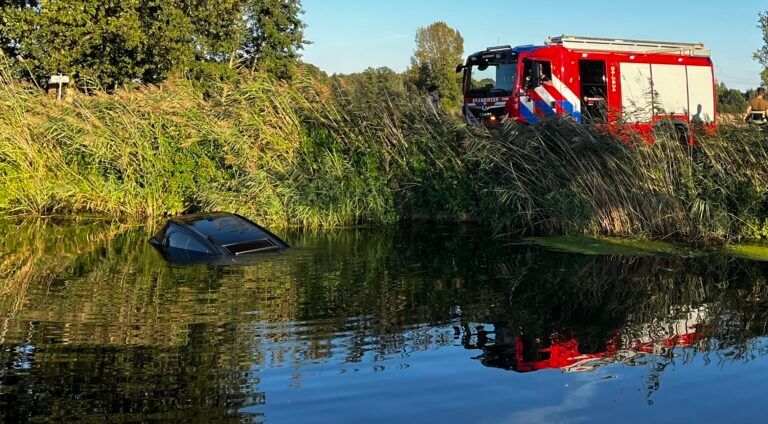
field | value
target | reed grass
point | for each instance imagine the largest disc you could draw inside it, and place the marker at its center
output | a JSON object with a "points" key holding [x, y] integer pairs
{"points": [[286, 155], [561, 178], [312, 155]]}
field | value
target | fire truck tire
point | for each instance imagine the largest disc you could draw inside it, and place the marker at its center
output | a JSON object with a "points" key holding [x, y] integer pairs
{"points": [[679, 129], [683, 131]]}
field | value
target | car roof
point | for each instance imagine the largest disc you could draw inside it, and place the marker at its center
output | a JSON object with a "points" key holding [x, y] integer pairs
{"points": [[223, 228]]}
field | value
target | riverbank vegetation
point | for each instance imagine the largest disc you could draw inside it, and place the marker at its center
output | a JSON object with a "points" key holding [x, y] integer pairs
{"points": [[560, 178], [234, 122], [285, 154], [317, 153]]}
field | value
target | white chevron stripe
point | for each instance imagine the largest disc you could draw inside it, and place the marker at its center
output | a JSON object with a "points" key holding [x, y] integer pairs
{"points": [[567, 93], [527, 103], [544, 94]]}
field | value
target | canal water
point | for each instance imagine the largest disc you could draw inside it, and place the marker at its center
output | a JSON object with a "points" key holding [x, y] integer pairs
{"points": [[438, 324]]}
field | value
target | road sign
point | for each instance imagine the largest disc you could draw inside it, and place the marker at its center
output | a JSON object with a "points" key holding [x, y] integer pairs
{"points": [[59, 79]]}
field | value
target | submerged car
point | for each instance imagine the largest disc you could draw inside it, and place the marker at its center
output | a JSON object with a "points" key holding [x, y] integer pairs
{"points": [[212, 235]]}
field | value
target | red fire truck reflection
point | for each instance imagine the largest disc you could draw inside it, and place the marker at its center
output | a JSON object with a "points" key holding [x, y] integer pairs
{"points": [[566, 353]]}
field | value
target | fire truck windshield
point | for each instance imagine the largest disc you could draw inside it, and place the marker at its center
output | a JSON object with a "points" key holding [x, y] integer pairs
{"points": [[491, 79]]}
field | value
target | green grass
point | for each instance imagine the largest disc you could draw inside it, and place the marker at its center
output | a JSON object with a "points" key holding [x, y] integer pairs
{"points": [[611, 246], [753, 252], [285, 155], [615, 246], [310, 154]]}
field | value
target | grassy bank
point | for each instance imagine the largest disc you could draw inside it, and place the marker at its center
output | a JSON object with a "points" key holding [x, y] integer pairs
{"points": [[559, 178], [315, 154], [284, 155]]}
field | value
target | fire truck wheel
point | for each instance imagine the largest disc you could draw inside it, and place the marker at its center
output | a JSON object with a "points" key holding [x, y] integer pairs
{"points": [[679, 130]]}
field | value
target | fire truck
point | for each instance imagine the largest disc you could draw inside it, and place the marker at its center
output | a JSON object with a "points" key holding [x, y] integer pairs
{"points": [[592, 80]]}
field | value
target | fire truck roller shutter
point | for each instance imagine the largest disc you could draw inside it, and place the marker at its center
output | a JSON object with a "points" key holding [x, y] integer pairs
{"points": [[701, 92], [670, 86], [674, 89], [636, 92]]}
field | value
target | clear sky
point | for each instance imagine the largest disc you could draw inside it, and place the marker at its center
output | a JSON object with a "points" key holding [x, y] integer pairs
{"points": [[352, 35]]}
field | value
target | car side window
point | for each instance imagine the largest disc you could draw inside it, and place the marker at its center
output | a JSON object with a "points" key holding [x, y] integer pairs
{"points": [[181, 240]]}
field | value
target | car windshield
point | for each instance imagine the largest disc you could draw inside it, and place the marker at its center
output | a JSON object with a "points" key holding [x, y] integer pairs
{"points": [[493, 78], [227, 229]]}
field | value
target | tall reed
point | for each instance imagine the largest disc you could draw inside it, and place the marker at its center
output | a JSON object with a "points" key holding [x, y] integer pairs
{"points": [[283, 154], [313, 154], [558, 177]]}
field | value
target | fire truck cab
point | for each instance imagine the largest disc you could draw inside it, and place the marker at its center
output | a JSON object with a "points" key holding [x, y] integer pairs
{"points": [[591, 80]]}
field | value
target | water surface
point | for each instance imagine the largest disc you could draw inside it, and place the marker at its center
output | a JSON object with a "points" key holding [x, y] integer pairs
{"points": [[425, 325]]}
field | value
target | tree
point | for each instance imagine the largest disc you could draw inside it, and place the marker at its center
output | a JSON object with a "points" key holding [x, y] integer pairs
{"points": [[371, 88], [108, 41], [274, 36], [112, 41], [730, 100], [762, 54], [219, 28], [439, 48]]}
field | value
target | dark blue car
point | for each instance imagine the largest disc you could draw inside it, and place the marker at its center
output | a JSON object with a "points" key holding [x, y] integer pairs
{"points": [[211, 235]]}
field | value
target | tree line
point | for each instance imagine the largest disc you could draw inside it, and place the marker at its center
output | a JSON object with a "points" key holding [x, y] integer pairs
{"points": [[109, 42], [106, 43], [733, 101], [439, 48]]}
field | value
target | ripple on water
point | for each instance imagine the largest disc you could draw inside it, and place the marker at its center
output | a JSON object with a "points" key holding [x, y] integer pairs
{"points": [[375, 327]]}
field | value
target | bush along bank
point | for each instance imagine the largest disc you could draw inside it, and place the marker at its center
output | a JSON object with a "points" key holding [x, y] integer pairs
{"points": [[314, 154]]}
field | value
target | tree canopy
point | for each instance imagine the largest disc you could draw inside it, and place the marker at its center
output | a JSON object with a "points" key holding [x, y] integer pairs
{"points": [[372, 87], [439, 48], [111, 41], [730, 100], [274, 35], [762, 54]]}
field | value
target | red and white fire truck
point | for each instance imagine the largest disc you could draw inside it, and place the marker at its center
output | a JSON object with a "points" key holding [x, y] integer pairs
{"points": [[592, 80]]}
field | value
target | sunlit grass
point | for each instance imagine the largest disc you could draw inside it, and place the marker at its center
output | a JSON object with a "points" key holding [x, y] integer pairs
{"points": [[305, 155], [285, 155], [753, 252], [615, 246]]}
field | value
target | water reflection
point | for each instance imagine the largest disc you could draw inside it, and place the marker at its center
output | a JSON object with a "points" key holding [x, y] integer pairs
{"points": [[94, 323]]}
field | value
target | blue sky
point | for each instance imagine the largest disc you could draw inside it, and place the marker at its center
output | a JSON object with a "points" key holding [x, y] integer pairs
{"points": [[352, 35]]}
